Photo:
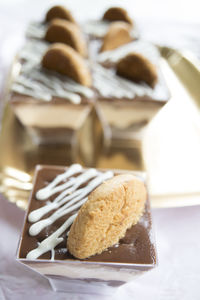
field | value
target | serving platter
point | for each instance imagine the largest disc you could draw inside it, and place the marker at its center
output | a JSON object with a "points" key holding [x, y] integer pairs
{"points": [[168, 150]]}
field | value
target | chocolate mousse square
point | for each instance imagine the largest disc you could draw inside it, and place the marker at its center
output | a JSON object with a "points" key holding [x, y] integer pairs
{"points": [[43, 242], [51, 106]]}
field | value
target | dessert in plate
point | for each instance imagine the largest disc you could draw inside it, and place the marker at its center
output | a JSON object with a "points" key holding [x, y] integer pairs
{"points": [[87, 230]]}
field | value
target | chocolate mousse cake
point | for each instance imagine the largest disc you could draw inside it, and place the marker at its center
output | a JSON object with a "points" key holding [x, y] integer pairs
{"points": [[50, 102], [87, 227], [120, 77], [130, 89]]}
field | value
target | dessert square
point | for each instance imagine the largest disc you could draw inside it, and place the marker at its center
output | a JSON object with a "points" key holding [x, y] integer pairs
{"points": [[63, 192], [51, 106], [125, 105]]}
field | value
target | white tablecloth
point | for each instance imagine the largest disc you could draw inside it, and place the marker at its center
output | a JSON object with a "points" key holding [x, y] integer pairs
{"points": [[177, 230]]}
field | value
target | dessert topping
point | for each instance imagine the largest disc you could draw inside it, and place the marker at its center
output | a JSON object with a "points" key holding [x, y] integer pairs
{"points": [[65, 60], [110, 210], [119, 33], [73, 193], [59, 12], [137, 68], [62, 31]]}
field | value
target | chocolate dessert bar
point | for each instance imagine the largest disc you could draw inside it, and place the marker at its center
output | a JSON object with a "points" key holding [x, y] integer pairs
{"points": [[57, 196]]}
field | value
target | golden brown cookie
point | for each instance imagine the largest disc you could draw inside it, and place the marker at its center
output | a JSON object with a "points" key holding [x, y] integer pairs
{"points": [[59, 12], [119, 33], [65, 60], [110, 210], [62, 31], [137, 68], [117, 14]]}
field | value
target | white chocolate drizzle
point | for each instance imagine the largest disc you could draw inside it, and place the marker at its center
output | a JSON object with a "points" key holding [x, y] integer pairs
{"points": [[72, 195], [43, 84], [52, 241], [142, 47], [110, 85], [98, 28], [36, 30]]}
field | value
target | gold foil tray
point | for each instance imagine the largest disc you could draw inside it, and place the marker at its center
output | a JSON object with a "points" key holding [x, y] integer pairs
{"points": [[169, 150]]}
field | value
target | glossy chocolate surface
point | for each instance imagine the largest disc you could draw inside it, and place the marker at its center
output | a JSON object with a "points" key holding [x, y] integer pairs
{"points": [[135, 248]]}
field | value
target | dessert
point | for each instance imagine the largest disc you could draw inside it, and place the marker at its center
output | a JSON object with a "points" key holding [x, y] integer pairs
{"points": [[120, 77], [130, 89], [55, 201], [52, 106]]}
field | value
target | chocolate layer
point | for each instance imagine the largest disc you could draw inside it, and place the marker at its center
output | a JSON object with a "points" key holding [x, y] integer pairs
{"points": [[135, 248]]}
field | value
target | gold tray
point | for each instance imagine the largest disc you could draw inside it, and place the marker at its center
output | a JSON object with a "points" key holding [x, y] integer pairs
{"points": [[169, 150]]}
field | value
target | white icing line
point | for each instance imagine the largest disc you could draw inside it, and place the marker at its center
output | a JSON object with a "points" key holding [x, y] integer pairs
{"points": [[52, 241], [36, 228], [45, 193], [52, 254], [97, 28], [50, 190], [110, 85], [37, 214], [75, 196], [146, 49], [43, 84], [36, 30]]}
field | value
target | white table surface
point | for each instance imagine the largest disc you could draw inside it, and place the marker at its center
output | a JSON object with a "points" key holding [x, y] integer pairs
{"points": [[177, 229]]}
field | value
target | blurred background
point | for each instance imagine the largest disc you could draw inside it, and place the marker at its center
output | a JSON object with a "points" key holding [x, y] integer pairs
{"points": [[172, 22]]}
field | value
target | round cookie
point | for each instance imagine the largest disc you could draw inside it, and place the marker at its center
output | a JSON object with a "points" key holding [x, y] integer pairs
{"points": [[137, 68], [102, 221], [65, 60], [62, 31], [118, 34], [59, 12], [117, 14]]}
